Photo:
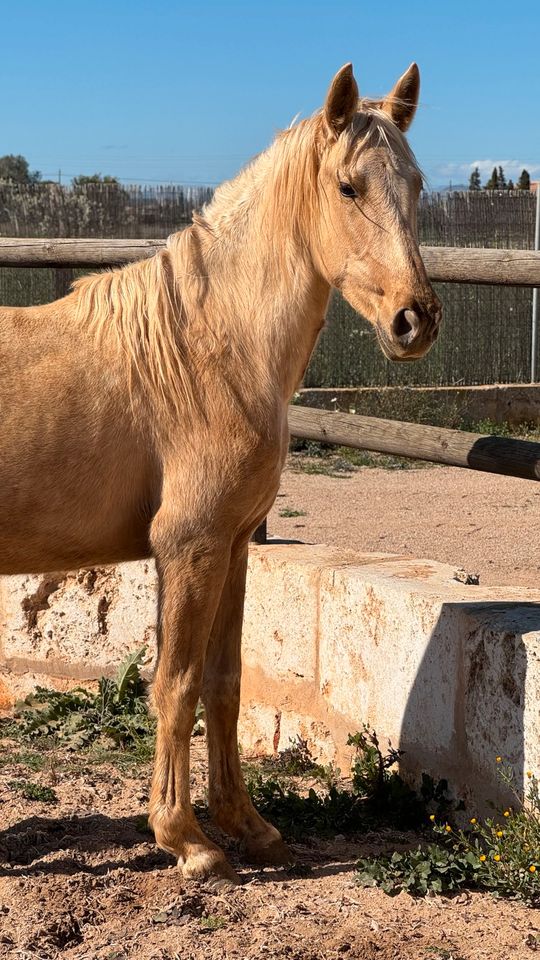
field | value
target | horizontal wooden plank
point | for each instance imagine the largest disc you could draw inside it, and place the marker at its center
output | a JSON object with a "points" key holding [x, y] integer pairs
{"points": [[63, 252], [480, 265], [456, 448], [450, 264]]}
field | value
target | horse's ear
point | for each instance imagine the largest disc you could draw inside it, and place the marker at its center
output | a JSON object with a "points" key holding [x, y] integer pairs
{"points": [[402, 102], [341, 101]]}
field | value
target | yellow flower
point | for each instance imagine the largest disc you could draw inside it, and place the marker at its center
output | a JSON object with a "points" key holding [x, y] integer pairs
{"points": [[432, 817], [472, 820], [497, 857], [499, 833], [448, 828], [529, 774], [482, 857], [532, 868], [498, 759], [506, 813]]}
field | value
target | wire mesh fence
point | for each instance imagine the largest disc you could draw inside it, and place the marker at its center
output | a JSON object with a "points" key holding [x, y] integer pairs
{"points": [[485, 337]]}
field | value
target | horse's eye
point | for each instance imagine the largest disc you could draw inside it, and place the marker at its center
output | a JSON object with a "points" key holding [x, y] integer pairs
{"points": [[346, 190]]}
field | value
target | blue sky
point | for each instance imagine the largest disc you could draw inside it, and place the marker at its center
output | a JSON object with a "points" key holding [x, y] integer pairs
{"points": [[178, 92]]}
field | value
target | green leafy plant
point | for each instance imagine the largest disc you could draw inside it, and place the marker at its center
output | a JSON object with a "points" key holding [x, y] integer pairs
{"points": [[114, 722], [116, 714], [430, 869], [378, 794], [298, 815], [298, 761], [309, 456], [291, 512], [34, 791], [374, 775], [497, 854], [32, 760]]}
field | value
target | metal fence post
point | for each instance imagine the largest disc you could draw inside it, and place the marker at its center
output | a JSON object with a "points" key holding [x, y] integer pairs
{"points": [[534, 323], [261, 534]]}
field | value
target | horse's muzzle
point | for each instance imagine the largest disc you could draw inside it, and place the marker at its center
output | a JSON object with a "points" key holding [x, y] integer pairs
{"points": [[412, 332]]}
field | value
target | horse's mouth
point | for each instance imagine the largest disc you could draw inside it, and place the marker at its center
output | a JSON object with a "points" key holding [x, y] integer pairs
{"points": [[400, 355]]}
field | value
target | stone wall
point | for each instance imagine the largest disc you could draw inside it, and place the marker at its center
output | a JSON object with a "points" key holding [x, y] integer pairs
{"points": [[332, 640]]}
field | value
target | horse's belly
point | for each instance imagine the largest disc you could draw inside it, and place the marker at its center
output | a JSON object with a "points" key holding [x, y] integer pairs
{"points": [[75, 489], [36, 536]]}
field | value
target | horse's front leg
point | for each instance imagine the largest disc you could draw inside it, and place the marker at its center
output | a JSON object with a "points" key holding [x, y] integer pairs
{"points": [[229, 802], [191, 577]]}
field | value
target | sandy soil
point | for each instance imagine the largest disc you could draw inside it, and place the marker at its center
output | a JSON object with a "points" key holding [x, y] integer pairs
{"points": [[485, 523], [82, 879]]}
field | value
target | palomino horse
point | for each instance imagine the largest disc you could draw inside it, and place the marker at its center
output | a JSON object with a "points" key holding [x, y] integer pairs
{"points": [[145, 414]]}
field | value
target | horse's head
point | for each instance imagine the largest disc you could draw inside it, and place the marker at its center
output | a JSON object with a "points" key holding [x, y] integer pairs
{"points": [[368, 187]]}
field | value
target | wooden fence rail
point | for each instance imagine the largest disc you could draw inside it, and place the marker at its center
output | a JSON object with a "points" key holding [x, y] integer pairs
{"points": [[456, 448], [448, 264], [69, 253]]}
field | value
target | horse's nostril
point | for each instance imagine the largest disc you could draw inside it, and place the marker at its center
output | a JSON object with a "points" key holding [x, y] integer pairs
{"points": [[405, 326]]}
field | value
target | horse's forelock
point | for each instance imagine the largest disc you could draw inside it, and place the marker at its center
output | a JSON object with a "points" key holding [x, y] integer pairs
{"points": [[372, 127]]}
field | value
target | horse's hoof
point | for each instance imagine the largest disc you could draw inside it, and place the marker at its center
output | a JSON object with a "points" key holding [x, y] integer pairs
{"points": [[216, 873], [272, 853]]}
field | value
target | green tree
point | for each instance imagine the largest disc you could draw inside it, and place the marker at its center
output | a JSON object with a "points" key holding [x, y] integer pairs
{"points": [[524, 182], [475, 183], [502, 179], [83, 180], [510, 185], [493, 182], [15, 168], [103, 204]]}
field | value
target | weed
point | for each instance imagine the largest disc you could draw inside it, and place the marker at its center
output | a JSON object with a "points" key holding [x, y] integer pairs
{"points": [[34, 791], [373, 777], [299, 816], [34, 761], [433, 869], [298, 761], [8, 728], [441, 953], [316, 467], [112, 725], [323, 458], [499, 855], [290, 512], [116, 714], [133, 757], [378, 796], [212, 923]]}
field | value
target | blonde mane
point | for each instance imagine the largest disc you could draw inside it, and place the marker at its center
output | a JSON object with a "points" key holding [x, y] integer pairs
{"points": [[147, 307], [139, 306]]}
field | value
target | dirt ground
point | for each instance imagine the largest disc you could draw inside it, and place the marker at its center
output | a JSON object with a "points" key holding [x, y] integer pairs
{"points": [[81, 878], [485, 523]]}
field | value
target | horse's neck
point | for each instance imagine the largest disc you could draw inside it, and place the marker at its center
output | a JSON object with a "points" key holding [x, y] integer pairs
{"points": [[268, 310]]}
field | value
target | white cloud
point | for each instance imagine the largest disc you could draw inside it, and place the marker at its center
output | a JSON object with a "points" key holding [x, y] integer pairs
{"points": [[462, 171]]}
